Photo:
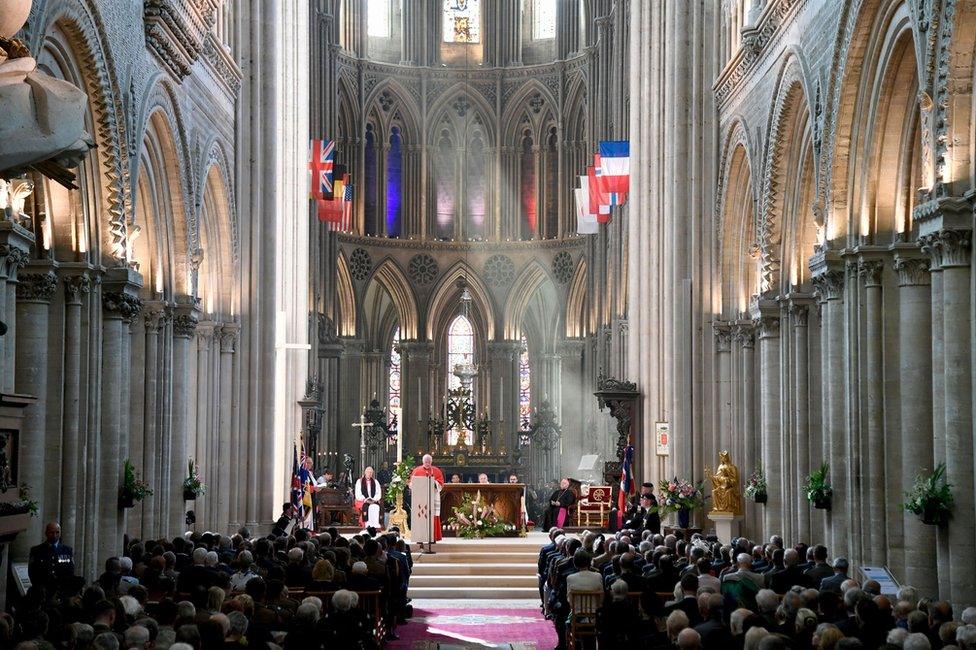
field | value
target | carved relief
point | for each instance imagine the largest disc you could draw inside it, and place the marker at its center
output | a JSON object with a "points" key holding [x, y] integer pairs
{"points": [[36, 287]]}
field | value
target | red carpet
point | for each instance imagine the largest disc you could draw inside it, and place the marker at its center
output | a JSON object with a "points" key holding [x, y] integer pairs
{"points": [[441, 628]]}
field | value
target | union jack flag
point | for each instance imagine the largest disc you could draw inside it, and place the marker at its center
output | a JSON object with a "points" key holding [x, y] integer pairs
{"points": [[321, 156]]}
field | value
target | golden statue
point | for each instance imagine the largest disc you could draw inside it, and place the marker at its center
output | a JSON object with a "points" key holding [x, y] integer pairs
{"points": [[726, 498]]}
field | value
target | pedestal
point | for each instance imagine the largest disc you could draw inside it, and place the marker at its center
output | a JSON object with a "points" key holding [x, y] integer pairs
{"points": [[726, 525], [399, 517]]}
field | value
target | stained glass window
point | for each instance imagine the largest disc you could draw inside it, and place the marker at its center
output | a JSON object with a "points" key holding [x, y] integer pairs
{"points": [[460, 348], [378, 18], [462, 21], [394, 177], [544, 19], [525, 386], [396, 402]]}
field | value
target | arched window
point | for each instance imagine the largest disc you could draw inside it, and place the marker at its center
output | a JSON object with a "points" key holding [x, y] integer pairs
{"points": [[394, 179], [395, 401], [475, 184], [378, 18], [544, 19], [462, 21], [525, 386], [370, 173], [445, 179], [527, 188], [460, 348], [551, 187]]}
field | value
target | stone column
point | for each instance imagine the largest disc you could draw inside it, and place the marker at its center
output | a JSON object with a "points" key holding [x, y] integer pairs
{"points": [[723, 384], [40, 451], [226, 436], [748, 447], [416, 392], [504, 392], [201, 443], [119, 306], [766, 321], [16, 259], [76, 288], [568, 28], [185, 319], [915, 370], [155, 315], [952, 249], [800, 314]]}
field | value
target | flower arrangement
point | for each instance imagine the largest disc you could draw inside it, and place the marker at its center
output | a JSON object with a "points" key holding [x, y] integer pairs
{"points": [[756, 485], [472, 519], [133, 488], [930, 497], [22, 506], [818, 487], [678, 494], [192, 485], [401, 476]]}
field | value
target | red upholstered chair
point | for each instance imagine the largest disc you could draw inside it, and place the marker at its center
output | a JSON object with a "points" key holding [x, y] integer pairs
{"points": [[595, 506]]}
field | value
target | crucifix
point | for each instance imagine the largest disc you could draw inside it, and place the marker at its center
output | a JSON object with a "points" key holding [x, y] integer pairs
{"points": [[362, 425]]}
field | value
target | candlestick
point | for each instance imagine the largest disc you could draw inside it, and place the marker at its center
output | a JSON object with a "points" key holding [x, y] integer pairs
{"points": [[399, 447]]}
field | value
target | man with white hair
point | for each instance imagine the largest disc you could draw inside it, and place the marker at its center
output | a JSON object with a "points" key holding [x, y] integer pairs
{"points": [[917, 641], [426, 503], [688, 639], [743, 583], [136, 638], [966, 634]]}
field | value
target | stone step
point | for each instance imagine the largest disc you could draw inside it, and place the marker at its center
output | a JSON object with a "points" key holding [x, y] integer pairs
{"points": [[486, 546], [470, 569], [478, 557], [455, 593], [465, 581]]}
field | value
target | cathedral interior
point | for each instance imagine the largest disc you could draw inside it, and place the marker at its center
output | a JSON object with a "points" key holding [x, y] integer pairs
{"points": [[790, 279]]}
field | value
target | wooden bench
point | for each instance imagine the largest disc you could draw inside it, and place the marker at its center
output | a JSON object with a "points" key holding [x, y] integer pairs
{"points": [[582, 618]]}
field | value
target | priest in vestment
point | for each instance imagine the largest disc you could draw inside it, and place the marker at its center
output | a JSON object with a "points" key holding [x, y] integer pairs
{"points": [[428, 470], [369, 499], [559, 503]]}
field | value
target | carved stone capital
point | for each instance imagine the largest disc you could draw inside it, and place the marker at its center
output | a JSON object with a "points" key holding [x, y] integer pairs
{"points": [[799, 313], [76, 287], [155, 315], [118, 304], [37, 287], [16, 259], [912, 271], [829, 285], [205, 335], [228, 338], [949, 248], [871, 271], [723, 336], [767, 327], [184, 325], [744, 334]]}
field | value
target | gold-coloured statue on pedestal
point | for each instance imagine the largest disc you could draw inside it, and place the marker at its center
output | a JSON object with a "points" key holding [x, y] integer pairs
{"points": [[726, 495]]}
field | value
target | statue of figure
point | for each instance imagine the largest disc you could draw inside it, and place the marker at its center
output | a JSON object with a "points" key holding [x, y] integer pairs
{"points": [[725, 486]]}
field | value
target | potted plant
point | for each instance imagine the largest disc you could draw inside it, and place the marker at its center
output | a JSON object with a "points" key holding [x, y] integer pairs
{"points": [[681, 496], [133, 488], [756, 486], [192, 485], [818, 487], [399, 480], [930, 497]]}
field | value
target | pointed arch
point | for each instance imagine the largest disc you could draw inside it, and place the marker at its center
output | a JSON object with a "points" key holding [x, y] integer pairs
{"points": [[577, 304], [446, 294], [461, 105], [739, 251], [347, 298], [217, 275], [391, 278], [520, 295], [522, 105], [392, 105]]}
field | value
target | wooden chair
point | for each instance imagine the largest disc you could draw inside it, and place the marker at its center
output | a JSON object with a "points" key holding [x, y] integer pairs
{"points": [[582, 617], [594, 506]]}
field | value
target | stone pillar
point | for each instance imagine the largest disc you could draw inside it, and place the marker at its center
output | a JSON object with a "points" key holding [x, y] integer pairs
{"points": [[76, 288], [185, 320], [14, 259], [202, 443], [915, 370], [748, 446], [40, 451], [416, 392], [723, 385], [829, 283], [412, 29], [568, 28], [952, 249], [766, 320], [226, 436], [119, 306], [504, 392], [800, 314], [155, 315], [870, 271]]}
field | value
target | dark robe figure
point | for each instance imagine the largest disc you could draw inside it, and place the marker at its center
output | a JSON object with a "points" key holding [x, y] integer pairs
{"points": [[557, 514], [644, 515]]}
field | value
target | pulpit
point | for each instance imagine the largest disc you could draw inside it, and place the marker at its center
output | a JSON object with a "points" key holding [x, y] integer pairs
{"points": [[334, 504], [505, 497]]}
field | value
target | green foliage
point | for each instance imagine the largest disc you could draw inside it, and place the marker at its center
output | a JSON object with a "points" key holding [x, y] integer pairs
{"points": [[472, 519], [817, 486], [132, 485], [679, 494], [401, 477], [756, 485], [192, 482], [931, 495]]}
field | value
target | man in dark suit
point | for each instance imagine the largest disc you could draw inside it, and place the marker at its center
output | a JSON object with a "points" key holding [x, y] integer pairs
{"points": [[790, 575], [713, 633], [644, 515], [689, 599], [52, 562], [820, 568], [834, 582]]}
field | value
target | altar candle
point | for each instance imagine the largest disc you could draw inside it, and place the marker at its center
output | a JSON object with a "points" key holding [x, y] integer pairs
{"points": [[399, 447]]}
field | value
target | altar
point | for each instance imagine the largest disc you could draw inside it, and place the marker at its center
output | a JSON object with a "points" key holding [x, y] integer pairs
{"points": [[506, 498]]}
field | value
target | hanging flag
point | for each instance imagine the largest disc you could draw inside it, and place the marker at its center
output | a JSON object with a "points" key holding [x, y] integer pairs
{"points": [[586, 223], [321, 155], [607, 195], [347, 205], [615, 163], [297, 489], [598, 207], [330, 208], [626, 484]]}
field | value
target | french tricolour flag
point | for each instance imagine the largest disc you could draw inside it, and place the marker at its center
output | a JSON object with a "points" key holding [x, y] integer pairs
{"points": [[615, 165]]}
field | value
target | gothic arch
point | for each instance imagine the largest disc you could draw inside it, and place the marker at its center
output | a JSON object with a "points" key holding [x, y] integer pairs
{"points": [[956, 60], [402, 112], [346, 321], [444, 299], [577, 304], [216, 155], [520, 294], [475, 111], [519, 107], [788, 132], [739, 246], [217, 276], [863, 42], [391, 278]]}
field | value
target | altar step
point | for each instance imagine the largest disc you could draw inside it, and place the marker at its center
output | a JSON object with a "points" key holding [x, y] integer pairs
{"points": [[500, 569]]}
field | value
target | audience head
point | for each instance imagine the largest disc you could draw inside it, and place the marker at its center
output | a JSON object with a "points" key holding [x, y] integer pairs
{"points": [[677, 621], [688, 639]]}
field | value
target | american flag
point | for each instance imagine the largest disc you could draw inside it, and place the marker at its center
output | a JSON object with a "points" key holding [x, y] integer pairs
{"points": [[297, 489], [321, 154]]}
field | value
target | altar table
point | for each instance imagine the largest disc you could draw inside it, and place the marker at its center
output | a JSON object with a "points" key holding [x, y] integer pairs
{"points": [[506, 497]]}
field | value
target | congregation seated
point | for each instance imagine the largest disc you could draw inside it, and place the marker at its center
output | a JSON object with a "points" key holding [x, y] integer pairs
{"points": [[204, 590], [661, 592]]}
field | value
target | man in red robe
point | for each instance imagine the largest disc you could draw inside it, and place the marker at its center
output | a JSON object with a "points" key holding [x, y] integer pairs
{"points": [[428, 470]]}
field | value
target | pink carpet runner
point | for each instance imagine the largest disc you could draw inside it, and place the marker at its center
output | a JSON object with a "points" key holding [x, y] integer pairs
{"points": [[446, 629]]}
